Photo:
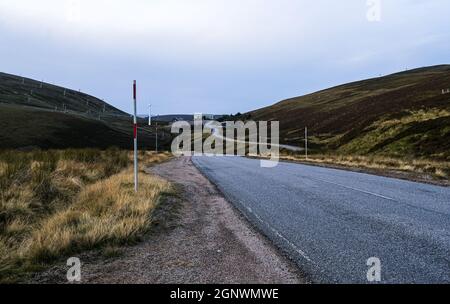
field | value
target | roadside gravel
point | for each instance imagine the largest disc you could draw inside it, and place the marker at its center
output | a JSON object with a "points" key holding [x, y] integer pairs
{"points": [[207, 241]]}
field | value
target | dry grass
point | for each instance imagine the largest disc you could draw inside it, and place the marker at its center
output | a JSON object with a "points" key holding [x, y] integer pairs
{"points": [[438, 170], [148, 158], [56, 203], [107, 212]]}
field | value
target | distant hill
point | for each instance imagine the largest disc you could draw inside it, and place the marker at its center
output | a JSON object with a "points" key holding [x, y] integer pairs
{"points": [[172, 117], [35, 114], [403, 114], [185, 117]]}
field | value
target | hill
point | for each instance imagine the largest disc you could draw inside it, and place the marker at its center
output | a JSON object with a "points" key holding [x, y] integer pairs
{"points": [[403, 114], [36, 114], [186, 117]]}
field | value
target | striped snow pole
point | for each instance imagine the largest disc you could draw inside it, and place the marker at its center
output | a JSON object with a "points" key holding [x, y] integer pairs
{"points": [[135, 127]]}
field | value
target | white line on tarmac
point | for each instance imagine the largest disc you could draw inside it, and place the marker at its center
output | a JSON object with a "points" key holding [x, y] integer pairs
{"points": [[355, 189], [298, 250]]}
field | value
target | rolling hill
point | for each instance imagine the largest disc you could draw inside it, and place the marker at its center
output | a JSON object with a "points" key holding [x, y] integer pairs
{"points": [[404, 114], [40, 115]]}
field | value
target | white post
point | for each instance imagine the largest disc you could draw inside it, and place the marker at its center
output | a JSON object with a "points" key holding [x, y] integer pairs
{"points": [[135, 139], [306, 143], [149, 115]]}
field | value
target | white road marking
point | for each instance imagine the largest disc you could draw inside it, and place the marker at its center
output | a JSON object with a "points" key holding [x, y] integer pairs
{"points": [[355, 189], [278, 234]]}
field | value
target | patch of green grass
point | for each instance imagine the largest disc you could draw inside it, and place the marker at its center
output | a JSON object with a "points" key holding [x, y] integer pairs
{"points": [[391, 137]]}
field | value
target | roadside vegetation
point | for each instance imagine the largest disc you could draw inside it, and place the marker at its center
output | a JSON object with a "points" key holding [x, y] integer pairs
{"points": [[401, 119], [419, 169], [60, 202], [414, 133], [392, 144]]}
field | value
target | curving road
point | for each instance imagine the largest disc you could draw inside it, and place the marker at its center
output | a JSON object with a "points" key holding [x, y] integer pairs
{"points": [[332, 221], [217, 135]]}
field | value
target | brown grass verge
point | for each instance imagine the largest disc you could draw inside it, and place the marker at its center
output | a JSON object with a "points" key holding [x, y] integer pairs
{"points": [[56, 203], [423, 170]]}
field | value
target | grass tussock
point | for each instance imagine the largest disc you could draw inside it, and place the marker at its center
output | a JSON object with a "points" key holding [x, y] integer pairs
{"points": [[148, 158], [55, 203], [107, 212]]}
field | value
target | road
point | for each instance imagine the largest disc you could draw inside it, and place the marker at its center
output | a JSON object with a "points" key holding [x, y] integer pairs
{"points": [[330, 222], [216, 134]]}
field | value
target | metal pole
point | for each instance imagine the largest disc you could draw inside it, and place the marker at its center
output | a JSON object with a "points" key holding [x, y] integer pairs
{"points": [[135, 140], [306, 143], [149, 115]]}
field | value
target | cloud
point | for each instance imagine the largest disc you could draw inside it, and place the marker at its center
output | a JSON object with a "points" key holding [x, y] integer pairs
{"points": [[171, 28], [216, 29], [224, 51]]}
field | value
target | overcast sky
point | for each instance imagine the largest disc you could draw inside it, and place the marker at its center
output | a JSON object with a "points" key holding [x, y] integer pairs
{"points": [[217, 56]]}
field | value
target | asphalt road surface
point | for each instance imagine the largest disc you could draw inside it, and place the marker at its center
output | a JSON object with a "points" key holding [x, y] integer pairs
{"points": [[216, 133], [330, 222]]}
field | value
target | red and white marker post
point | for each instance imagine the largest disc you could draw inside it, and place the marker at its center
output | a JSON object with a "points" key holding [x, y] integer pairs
{"points": [[135, 139]]}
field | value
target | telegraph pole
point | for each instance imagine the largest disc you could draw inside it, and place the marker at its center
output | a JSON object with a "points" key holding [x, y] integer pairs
{"points": [[135, 139]]}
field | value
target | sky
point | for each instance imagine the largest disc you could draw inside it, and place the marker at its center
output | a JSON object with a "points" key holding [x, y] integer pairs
{"points": [[217, 56]]}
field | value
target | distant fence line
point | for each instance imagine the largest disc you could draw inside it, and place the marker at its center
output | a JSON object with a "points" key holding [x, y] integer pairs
{"points": [[89, 114]]}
